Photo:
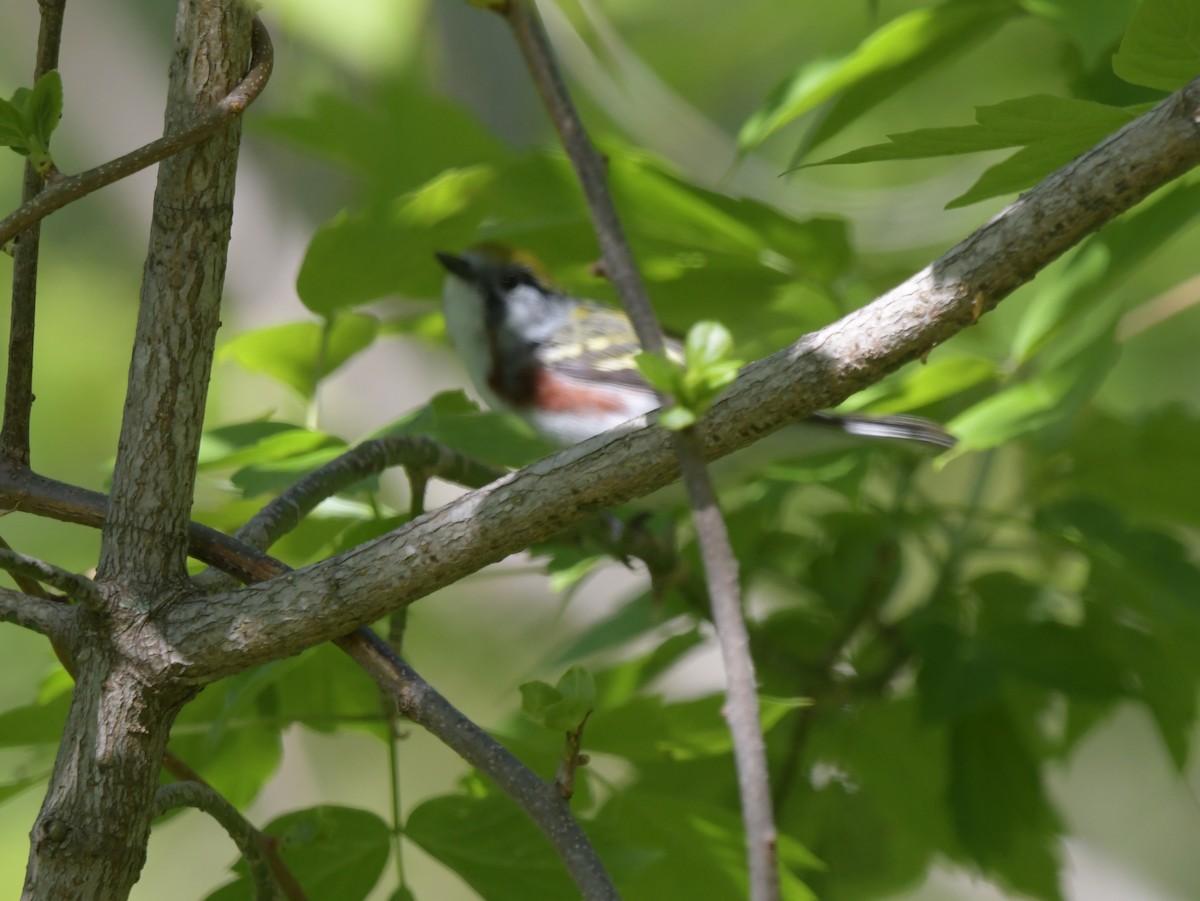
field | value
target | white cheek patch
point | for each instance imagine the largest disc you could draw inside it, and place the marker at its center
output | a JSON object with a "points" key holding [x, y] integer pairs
{"points": [[530, 314]]}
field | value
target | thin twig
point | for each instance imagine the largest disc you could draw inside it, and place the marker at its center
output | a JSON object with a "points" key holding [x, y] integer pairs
{"points": [[53, 620], [572, 760], [250, 842], [720, 565], [81, 588], [420, 702], [18, 394], [415, 453], [64, 190]]}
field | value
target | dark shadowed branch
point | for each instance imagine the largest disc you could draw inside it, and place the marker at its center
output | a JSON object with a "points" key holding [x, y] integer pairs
{"points": [[18, 393], [418, 701], [415, 453], [248, 839]]}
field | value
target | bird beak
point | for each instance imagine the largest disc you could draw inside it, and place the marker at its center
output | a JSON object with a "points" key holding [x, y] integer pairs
{"points": [[457, 266]]}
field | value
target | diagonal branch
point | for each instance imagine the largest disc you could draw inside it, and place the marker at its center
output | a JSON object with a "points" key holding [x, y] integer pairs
{"points": [[66, 189], [18, 393], [418, 701], [226, 632]]}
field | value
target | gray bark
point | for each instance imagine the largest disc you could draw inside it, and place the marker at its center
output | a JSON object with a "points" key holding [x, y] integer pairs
{"points": [[90, 837]]}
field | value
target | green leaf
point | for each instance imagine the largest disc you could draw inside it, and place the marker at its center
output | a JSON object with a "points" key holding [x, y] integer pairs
{"points": [[663, 375], [698, 848], [35, 724], [326, 692], [958, 676], [274, 475], [1135, 463], [1001, 813], [1101, 264], [620, 683], [231, 732], [46, 105], [677, 418], [370, 133], [897, 52], [1142, 585], [9, 790], [564, 706], [707, 342], [259, 441], [920, 386], [876, 813], [536, 696], [1041, 404], [577, 685], [388, 248], [12, 127], [452, 419], [1093, 26], [645, 729], [301, 354], [1050, 130], [491, 845], [334, 852], [1161, 48]]}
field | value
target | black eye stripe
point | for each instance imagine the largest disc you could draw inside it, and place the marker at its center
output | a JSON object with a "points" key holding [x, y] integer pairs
{"points": [[515, 276]]}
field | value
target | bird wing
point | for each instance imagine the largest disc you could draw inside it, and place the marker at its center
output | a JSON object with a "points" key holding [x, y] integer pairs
{"points": [[598, 344]]}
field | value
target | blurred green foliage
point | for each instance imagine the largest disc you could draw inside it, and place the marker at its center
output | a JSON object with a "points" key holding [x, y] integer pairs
{"points": [[931, 640]]}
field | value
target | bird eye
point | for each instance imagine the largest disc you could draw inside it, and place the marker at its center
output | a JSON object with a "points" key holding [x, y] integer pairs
{"points": [[513, 278]]}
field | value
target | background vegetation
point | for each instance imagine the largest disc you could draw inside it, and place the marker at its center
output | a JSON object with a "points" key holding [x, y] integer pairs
{"points": [[977, 670]]}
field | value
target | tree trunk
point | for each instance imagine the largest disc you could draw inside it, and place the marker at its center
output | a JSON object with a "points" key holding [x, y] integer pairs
{"points": [[89, 840], [90, 837]]}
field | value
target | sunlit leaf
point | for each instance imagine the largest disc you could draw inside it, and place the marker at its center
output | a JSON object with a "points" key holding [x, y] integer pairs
{"points": [[897, 52], [301, 354]]}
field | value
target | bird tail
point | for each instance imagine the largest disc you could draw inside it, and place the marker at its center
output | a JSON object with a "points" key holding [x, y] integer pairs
{"points": [[905, 428]]}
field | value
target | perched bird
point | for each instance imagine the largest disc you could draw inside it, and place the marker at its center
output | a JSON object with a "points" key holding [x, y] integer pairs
{"points": [[566, 365]]}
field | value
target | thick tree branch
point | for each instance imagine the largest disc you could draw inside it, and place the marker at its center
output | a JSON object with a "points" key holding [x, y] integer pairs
{"points": [[18, 393], [716, 551], [248, 839], [227, 632], [419, 702], [144, 540], [55, 621], [66, 189]]}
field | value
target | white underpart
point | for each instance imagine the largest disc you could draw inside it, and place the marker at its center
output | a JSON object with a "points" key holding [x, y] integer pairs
{"points": [[567, 428], [463, 308]]}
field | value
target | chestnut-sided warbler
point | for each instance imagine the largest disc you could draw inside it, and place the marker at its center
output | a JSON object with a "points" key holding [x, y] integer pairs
{"points": [[565, 365]]}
